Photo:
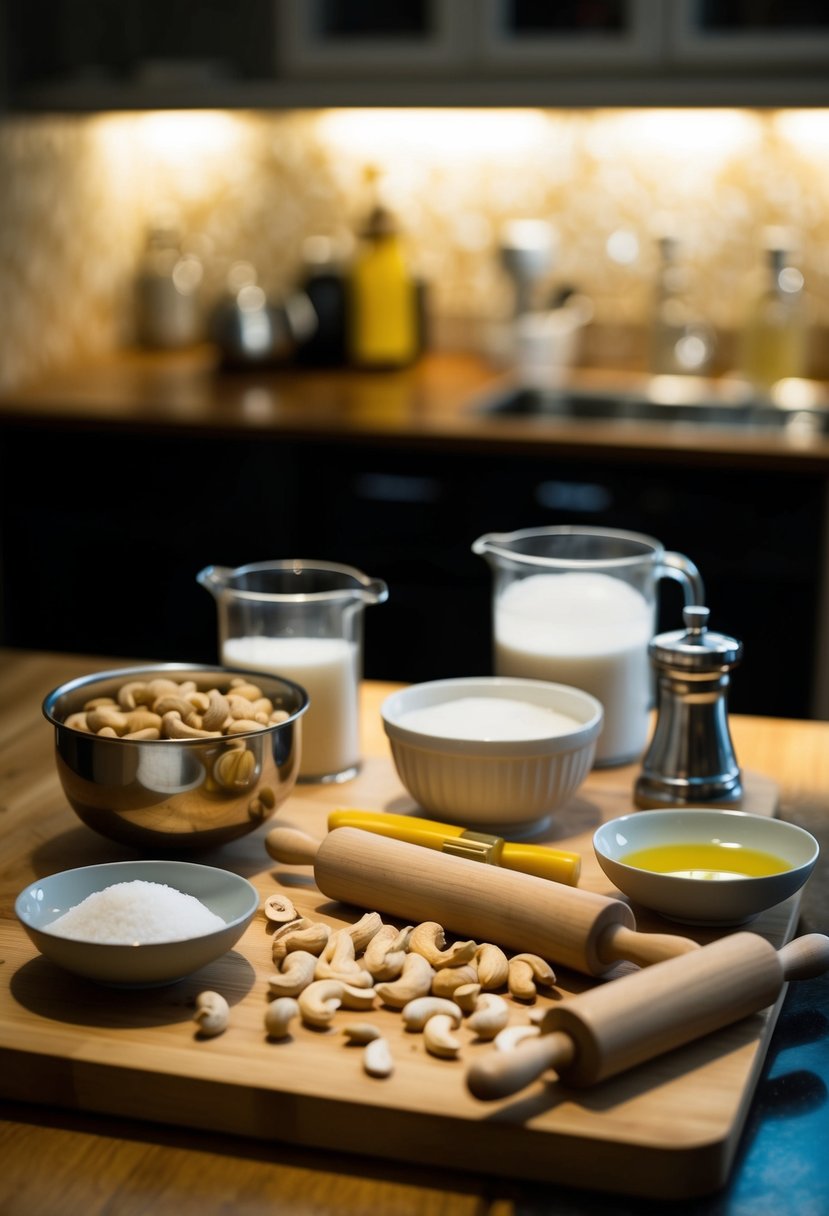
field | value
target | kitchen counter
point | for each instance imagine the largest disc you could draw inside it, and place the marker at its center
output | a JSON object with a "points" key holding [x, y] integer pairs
{"points": [[433, 404], [57, 1160]]}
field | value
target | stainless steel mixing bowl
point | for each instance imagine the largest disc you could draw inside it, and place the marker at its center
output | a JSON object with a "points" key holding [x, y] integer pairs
{"points": [[176, 794]]}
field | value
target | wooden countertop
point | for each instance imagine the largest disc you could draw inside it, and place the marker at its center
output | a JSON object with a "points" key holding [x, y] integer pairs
{"points": [[430, 405], [57, 1161]]}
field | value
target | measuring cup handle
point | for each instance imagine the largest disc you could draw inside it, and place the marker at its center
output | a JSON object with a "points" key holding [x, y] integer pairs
{"points": [[683, 570]]}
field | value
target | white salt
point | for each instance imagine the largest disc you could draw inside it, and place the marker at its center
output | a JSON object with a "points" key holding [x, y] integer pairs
{"points": [[136, 913]]}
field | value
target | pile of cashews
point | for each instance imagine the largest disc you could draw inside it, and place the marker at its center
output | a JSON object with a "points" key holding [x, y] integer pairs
{"points": [[169, 709], [437, 987]]}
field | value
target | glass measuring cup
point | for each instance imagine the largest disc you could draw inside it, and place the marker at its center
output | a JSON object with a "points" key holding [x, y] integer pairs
{"points": [[577, 606], [302, 620]]}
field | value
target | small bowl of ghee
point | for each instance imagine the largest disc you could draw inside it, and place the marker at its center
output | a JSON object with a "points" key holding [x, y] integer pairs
{"points": [[705, 866]]}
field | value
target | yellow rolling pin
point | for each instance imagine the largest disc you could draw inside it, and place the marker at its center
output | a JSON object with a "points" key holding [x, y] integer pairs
{"points": [[537, 859]]}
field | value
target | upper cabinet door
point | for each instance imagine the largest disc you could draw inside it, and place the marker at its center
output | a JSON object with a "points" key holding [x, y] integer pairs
{"points": [[745, 32], [370, 37], [575, 34]]}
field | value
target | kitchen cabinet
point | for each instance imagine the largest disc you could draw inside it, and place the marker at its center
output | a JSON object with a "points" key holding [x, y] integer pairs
{"points": [[104, 561], [102, 54]]}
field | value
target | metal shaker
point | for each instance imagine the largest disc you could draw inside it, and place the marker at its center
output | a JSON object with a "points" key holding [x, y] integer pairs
{"points": [[691, 758]]}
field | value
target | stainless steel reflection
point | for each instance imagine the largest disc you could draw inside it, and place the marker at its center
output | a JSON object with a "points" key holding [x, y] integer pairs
{"points": [[176, 794]]}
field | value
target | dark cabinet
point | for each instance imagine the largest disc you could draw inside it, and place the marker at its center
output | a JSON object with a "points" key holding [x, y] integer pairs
{"points": [[144, 54], [103, 558]]}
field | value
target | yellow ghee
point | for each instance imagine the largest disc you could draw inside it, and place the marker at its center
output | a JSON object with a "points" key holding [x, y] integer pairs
{"points": [[711, 860]]}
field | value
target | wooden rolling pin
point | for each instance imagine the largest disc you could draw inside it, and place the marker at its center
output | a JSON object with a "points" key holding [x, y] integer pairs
{"points": [[566, 925], [626, 1021]]}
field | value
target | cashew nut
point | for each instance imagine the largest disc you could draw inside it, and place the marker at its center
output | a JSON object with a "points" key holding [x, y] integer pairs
{"points": [[173, 703], [363, 930], [244, 688], [448, 980], [466, 997], [429, 939], [174, 727], [105, 715], [438, 1038], [280, 910], [217, 710], [490, 1017], [415, 980], [159, 686], [77, 721], [322, 998], [279, 1015], [212, 1013], [301, 934], [337, 961], [100, 702], [511, 1036], [320, 1001], [377, 1058], [493, 966], [379, 959], [243, 726], [361, 1033], [141, 719], [527, 970], [133, 693], [417, 1012], [296, 973]]}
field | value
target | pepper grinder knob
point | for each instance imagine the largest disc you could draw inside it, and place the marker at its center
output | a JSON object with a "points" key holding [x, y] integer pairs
{"points": [[691, 760]]}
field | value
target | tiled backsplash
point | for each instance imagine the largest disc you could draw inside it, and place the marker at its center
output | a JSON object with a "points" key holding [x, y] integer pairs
{"points": [[78, 193]]}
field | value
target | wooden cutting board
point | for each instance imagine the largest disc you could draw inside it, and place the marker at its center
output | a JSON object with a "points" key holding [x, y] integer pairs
{"points": [[667, 1129]]}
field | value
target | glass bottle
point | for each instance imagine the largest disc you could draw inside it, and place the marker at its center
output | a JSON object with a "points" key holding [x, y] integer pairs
{"points": [[681, 342], [775, 337], [168, 281]]}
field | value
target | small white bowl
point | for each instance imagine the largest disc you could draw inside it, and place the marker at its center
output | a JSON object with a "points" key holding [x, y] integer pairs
{"points": [[232, 898], [508, 786], [697, 899]]}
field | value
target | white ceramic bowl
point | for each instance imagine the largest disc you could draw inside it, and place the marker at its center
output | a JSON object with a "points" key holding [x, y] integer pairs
{"points": [[232, 898], [507, 786], [697, 899]]}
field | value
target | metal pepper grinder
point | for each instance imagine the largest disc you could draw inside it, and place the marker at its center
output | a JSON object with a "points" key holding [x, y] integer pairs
{"points": [[690, 760]]}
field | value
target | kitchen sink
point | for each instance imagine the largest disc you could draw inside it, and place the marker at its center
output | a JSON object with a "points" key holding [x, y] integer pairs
{"points": [[674, 401]]}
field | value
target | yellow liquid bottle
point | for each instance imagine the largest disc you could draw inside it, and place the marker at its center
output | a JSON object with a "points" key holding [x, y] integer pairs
{"points": [[382, 299], [775, 341]]}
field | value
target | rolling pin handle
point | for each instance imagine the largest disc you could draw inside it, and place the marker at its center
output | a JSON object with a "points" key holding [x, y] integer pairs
{"points": [[618, 943], [502, 1073], [805, 957], [291, 846]]}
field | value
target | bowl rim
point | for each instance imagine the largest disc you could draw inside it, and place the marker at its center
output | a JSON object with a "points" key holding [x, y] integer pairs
{"points": [[496, 688], [695, 814], [242, 884], [168, 669]]}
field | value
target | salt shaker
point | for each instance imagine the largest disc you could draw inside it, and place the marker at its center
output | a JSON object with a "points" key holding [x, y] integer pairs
{"points": [[691, 758]]}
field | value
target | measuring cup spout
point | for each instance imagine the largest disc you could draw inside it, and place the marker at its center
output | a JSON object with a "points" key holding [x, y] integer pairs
{"points": [[214, 579], [375, 591]]}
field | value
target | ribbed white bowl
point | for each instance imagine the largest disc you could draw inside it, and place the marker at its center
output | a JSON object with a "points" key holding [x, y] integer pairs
{"points": [[508, 786]]}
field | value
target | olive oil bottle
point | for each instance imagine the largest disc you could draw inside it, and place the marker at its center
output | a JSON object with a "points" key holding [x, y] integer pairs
{"points": [[775, 338]]}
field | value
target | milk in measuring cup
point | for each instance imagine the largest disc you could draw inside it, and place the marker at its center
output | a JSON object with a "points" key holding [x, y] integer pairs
{"points": [[328, 670], [590, 631]]}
